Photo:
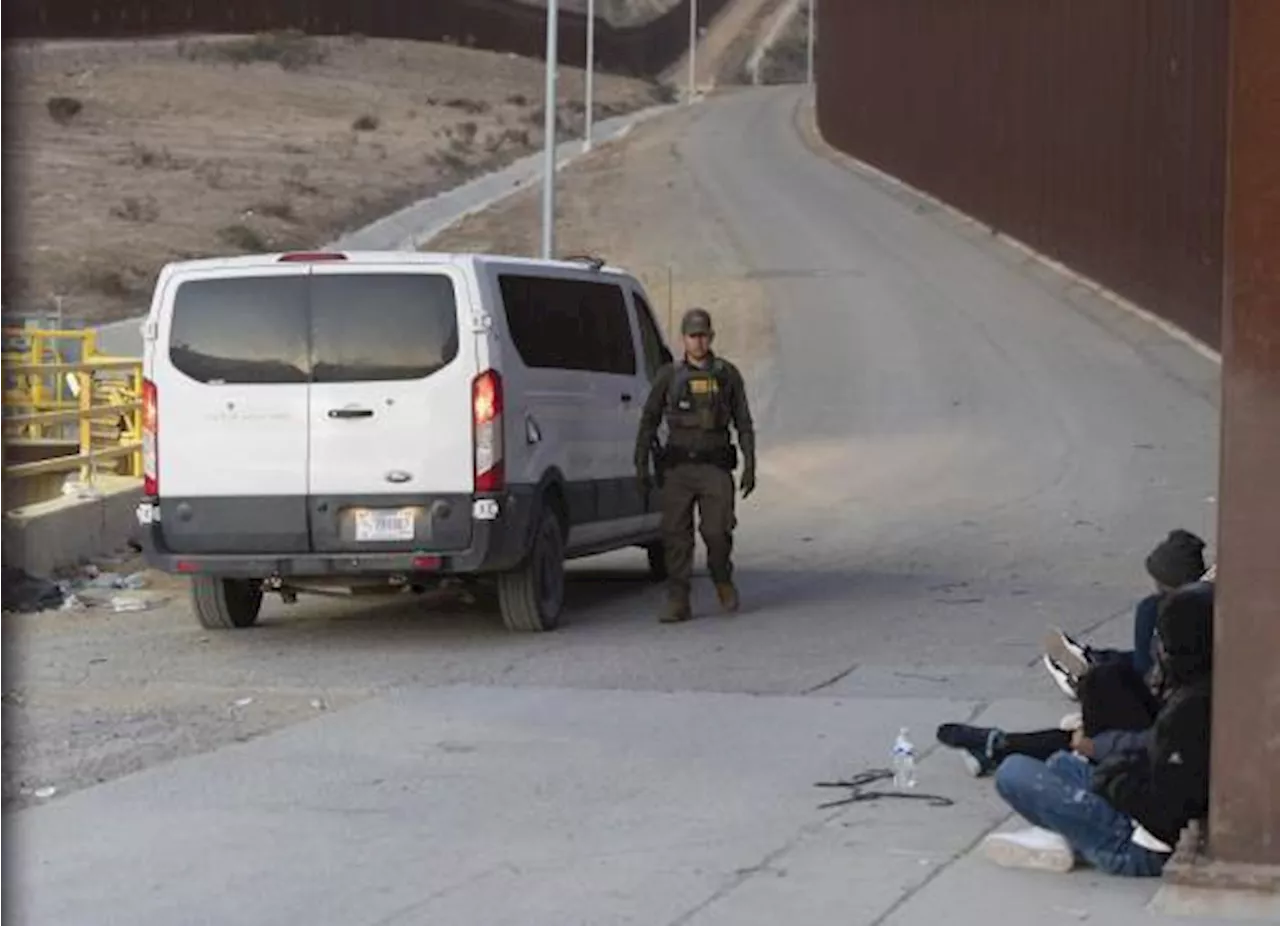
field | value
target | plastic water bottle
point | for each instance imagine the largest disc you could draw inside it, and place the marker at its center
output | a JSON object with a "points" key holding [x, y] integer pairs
{"points": [[904, 761]]}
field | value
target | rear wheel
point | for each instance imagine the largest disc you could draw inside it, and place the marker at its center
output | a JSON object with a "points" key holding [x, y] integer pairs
{"points": [[531, 597], [225, 604]]}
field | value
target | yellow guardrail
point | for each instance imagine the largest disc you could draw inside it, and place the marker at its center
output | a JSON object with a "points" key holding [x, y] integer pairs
{"points": [[90, 408]]}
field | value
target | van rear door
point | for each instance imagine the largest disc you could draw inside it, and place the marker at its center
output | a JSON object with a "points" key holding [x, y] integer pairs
{"points": [[391, 464], [230, 369]]}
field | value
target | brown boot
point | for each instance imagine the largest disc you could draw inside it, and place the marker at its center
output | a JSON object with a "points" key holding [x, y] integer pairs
{"points": [[677, 611], [728, 596]]}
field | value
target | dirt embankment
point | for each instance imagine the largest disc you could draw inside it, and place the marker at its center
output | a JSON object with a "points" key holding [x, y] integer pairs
{"points": [[616, 12], [787, 61], [636, 204], [129, 155]]}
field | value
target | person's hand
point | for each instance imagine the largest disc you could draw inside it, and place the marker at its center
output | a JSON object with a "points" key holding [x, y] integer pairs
{"points": [[643, 480], [748, 480], [1081, 744]]}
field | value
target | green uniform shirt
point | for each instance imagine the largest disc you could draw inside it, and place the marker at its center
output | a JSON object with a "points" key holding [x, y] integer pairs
{"points": [[689, 435]]}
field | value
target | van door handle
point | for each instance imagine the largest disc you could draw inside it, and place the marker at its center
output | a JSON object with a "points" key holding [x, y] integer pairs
{"points": [[350, 413], [626, 397]]}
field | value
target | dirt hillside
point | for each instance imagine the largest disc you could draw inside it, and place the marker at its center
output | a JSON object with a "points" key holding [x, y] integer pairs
{"points": [[616, 12], [128, 155]]}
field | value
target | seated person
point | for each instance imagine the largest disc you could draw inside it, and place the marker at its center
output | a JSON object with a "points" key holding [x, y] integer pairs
{"points": [[1118, 703], [1118, 708], [1176, 561], [1124, 815]]}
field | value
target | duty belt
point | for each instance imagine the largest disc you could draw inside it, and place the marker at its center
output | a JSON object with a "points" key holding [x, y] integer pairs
{"points": [[723, 457]]}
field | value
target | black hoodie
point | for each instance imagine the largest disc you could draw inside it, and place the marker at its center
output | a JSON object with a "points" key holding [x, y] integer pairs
{"points": [[1166, 786]]}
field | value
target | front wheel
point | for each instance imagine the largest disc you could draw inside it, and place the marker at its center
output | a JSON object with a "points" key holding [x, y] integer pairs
{"points": [[225, 604], [531, 596]]}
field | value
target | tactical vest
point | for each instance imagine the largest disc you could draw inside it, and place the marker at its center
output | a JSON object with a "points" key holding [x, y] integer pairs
{"points": [[698, 400]]}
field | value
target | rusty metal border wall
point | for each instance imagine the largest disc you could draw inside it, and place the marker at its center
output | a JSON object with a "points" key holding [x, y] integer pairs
{"points": [[1092, 130], [498, 25]]}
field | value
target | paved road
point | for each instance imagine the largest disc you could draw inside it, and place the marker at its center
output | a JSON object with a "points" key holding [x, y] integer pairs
{"points": [[956, 451]]}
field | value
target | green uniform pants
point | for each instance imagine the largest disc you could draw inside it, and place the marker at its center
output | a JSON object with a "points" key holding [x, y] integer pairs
{"points": [[711, 489]]}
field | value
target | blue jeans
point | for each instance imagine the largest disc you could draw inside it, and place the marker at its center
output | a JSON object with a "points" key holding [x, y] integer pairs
{"points": [[1144, 631], [1056, 795]]}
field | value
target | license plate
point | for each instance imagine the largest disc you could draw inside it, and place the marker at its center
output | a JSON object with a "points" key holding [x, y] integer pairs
{"points": [[384, 526]]}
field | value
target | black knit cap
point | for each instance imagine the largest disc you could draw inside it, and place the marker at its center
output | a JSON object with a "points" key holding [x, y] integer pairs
{"points": [[1178, 559]]}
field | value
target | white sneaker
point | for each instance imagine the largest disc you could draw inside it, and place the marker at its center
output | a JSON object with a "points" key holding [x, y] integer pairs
{"points": [[1035, 848], [1066, 652], [1071, 723], [1062, 677]]}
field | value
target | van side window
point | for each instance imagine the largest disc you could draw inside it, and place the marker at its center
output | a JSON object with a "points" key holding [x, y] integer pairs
{"points": [[241, 330], [655, 349], [568, 324], [381, 326]]}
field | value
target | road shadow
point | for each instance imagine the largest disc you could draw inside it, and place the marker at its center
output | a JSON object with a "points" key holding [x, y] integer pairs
{"points": [[601, 596]]}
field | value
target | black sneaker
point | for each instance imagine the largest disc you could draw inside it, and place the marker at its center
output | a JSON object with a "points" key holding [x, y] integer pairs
{"points": [[978, 745]]}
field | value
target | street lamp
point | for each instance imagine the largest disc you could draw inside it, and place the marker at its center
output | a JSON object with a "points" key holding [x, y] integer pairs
{"points": [[591, 74], [549, 133], [813, 27], [693, 49]]}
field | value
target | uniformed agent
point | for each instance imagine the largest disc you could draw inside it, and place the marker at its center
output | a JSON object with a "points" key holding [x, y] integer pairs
{"points": [[699, 396]]}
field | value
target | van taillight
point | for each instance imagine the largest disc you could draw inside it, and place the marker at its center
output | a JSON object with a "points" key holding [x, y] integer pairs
{"points": [[150, 440], [486, 419]]}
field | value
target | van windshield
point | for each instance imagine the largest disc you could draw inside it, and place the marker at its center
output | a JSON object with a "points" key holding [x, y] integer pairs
{"points": [[327, 328]]}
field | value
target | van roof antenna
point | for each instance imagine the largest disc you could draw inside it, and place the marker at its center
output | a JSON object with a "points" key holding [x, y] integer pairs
{"points": [[595, 263]]}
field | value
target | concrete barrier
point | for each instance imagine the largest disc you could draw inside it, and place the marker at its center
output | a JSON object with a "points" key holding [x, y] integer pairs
{"points": [[47, 536]]}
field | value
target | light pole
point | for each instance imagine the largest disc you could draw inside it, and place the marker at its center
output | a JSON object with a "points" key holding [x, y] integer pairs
{"points": [[591, 73], [813, 29], [693, 49], [549, 133]]}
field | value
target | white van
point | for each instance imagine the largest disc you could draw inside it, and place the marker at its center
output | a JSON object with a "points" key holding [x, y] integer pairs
{"points": [[392, 420]]}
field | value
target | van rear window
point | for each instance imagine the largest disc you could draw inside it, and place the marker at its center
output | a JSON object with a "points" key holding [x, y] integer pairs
{"points": [[241, 330], [381, 326], [324, 328]]}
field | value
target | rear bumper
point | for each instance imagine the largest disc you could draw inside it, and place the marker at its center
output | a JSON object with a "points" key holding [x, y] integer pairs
{"points": [[499, 542]]}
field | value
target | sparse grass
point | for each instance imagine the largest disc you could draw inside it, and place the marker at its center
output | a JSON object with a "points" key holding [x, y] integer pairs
{"points": [[518, 99], [213, 173], [518, 137], [63, 109], [470, 107], [365, 123], [133, 209], [297, 182], [106, 281], [291, 49], [243, 238], [144, 157], [787, 60], [281, 209], [665, 93]]}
